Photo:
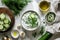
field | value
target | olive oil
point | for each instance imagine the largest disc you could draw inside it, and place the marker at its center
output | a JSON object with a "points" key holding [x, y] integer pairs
{"points": [[15, 34], [44, 5]]}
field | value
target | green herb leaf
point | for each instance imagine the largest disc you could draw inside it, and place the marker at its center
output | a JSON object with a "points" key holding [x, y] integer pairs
{"points": [[42, 30], [15, 5], [32, 20]]}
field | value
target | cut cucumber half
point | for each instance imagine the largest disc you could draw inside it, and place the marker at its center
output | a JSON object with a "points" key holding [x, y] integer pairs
{"points": [[4, 29], [1, 27], [6, 25], [2, 16], [32, 15], [1, 22], [50, 16], [6, 21]]}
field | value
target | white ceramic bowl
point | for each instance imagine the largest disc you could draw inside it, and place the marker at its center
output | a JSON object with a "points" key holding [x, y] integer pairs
{"points": [[46, 2], [52, 21], [13, 34], [27, 28]]}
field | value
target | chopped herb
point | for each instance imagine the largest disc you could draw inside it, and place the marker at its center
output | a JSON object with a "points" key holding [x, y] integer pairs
{"points": [[32, 20], [42, 30]]}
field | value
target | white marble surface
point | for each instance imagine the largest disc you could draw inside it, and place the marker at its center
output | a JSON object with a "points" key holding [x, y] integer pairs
{"points": [[31, 6]]}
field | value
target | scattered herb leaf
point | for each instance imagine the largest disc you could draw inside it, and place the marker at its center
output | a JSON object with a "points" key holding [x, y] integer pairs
{"points": [[42, 30], [32, 20]]}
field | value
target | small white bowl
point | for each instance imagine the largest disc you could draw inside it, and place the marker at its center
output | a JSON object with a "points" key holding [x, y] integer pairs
{"points": [[47, 20], [47, 8], [17, 34]]}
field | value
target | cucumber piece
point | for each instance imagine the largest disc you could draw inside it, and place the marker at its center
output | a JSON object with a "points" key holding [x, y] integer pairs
{"points": [[46, 36], [1, 22], [32, 15], [9, 22], [2, 16], [50, 17], [6, 25], [1, 27], [4, 29], [6, 21]]}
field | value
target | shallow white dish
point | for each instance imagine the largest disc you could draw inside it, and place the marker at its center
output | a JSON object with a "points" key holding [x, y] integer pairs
{"points": [[15, 35]]}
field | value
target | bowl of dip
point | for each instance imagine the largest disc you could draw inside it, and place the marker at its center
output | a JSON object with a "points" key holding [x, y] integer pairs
{"points": [[30, 20], [50, 17]]}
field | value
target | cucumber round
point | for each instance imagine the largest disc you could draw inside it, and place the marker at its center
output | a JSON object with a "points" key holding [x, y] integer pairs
{"points": [[2, 16], [6, 21], [1, 27], [1, 22], [4, 29], [50, 17], [6, 25]]}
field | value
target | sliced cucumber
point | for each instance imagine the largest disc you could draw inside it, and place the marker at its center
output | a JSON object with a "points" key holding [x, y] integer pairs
{"points": [[6, 25], [50, 17], [4, 29], [1, 27], [1, 22], [32, 15], [9, 22], [2, 16], [6, 21]]}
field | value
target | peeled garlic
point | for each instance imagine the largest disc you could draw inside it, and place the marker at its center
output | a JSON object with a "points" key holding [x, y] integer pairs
{"points": [[9, 39], [22, 34], [5, 38]]}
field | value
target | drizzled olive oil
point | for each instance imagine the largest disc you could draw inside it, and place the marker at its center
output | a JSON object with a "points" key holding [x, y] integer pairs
{"points": [[15, 34], [44, 5]]}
